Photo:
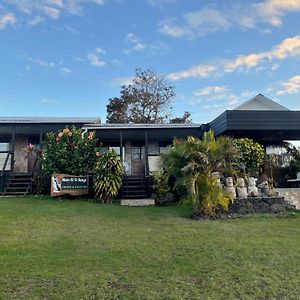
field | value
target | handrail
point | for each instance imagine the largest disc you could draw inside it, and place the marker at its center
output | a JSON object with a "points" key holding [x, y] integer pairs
{"points": [[3, 169], [34, 165]]}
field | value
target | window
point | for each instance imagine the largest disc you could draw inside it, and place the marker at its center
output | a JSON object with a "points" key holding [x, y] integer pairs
{"points": [[115, 149], [4, 146], [110, 148], [138, 152], [163, 147], [104, 149]]}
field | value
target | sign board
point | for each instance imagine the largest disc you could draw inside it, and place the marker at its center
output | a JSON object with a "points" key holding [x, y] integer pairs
{"points": [[64, 184]]}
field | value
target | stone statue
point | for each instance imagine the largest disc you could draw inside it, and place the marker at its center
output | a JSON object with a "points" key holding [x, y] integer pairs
{"points": [[230, 189], [265, 188], [252, 188], [241, 189], [216, 176]]}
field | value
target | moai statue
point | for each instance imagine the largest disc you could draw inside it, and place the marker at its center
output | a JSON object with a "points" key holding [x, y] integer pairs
{"points": [[216, 176], [265, 188], [230, 189], [241, 189], [252, 188]]}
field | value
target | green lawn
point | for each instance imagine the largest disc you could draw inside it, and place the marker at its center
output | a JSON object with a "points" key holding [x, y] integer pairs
{"points": [[82, 250]]}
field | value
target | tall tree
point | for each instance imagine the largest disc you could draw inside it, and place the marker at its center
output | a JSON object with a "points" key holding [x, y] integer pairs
{"points": [[186, 118], [147, 100]]}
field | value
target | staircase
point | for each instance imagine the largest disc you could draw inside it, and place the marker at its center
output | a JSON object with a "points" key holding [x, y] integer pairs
{"points": [[18, 184], [135, 187]]}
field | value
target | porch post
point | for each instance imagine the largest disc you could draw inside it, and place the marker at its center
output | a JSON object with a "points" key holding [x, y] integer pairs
{"points": [[121, 145], [41, 138], [12, 148], [146, 154]]}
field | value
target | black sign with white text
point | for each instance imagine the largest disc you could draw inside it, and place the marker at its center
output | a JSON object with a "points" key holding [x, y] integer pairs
{"points": [[74, 183]]}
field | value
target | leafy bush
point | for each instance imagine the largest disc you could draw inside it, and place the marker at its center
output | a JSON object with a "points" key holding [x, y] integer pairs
{"points": [[295, 166], [207, 195], [161, 189], [251, 155], [192, 162], [108, 176], [68, 152]]}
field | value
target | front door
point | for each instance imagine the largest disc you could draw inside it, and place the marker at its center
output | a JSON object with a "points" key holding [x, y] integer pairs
{"points": [[138, 160]]}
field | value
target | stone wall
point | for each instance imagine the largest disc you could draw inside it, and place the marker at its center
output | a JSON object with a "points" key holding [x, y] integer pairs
{"points": [[291, 195], [21, 156], [253, 205]]}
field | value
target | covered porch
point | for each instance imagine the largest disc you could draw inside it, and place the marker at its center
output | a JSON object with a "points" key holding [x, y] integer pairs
{"points": [[140, 145], [16, 134], [272, 129]]}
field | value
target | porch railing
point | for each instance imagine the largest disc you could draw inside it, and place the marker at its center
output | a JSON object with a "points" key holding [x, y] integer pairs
{"points": [[8, 155]]}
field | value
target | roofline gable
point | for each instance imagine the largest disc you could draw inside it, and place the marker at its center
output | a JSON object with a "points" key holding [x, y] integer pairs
{"points": [[263, 100]]}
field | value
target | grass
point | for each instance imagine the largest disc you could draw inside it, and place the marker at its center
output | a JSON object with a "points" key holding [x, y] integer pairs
{"points": [[82, 250]]}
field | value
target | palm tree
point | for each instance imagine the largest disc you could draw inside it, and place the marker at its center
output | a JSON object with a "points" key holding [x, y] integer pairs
{"points": [[192, 162]]}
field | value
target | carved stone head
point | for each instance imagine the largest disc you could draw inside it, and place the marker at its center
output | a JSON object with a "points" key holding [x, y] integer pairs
{"points": [[252, 181], [241, 182], [229, 181]]}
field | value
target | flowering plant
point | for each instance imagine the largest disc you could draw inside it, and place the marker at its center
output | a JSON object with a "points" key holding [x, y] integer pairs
{"points": [[29, 148], [69, 151]]}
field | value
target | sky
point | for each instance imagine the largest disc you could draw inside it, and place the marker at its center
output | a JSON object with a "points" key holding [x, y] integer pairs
{"points": [[68, 57]]}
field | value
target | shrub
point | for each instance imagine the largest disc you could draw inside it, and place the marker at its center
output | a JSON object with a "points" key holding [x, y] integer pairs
{"points": [[251, 155], [108, 176], [295, 165], [207, 195], [68, 152], [192, 162], [161, 189]]}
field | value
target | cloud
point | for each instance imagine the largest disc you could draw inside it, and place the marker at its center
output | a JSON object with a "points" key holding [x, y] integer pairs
{"points": [[219, 97], [49, 8], [35, 21], [160, 3], [41, 63], [289, 47], [213, 91], [247, 15], [65, 71], [95, 58], [169, 28], [119, 81], [137, 45], [48, 101], [290, 86], [52, 12], [6, 20], [196, 23], [272, 11]]}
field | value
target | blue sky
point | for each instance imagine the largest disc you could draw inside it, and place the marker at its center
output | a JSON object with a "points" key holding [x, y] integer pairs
{"points": [[68, 57]]}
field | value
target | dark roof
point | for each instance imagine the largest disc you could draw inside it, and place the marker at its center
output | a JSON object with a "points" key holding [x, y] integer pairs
{"points": [[259, 125], [48, 120], [136, 132], [118, 126]]}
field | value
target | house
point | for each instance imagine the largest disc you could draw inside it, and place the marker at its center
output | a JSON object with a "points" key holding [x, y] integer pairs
{"points": [[16, 133], [139, 145]]}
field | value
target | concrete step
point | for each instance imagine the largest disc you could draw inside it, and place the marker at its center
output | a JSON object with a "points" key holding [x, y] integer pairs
{"points": [[138, 202], [15, 193]]}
